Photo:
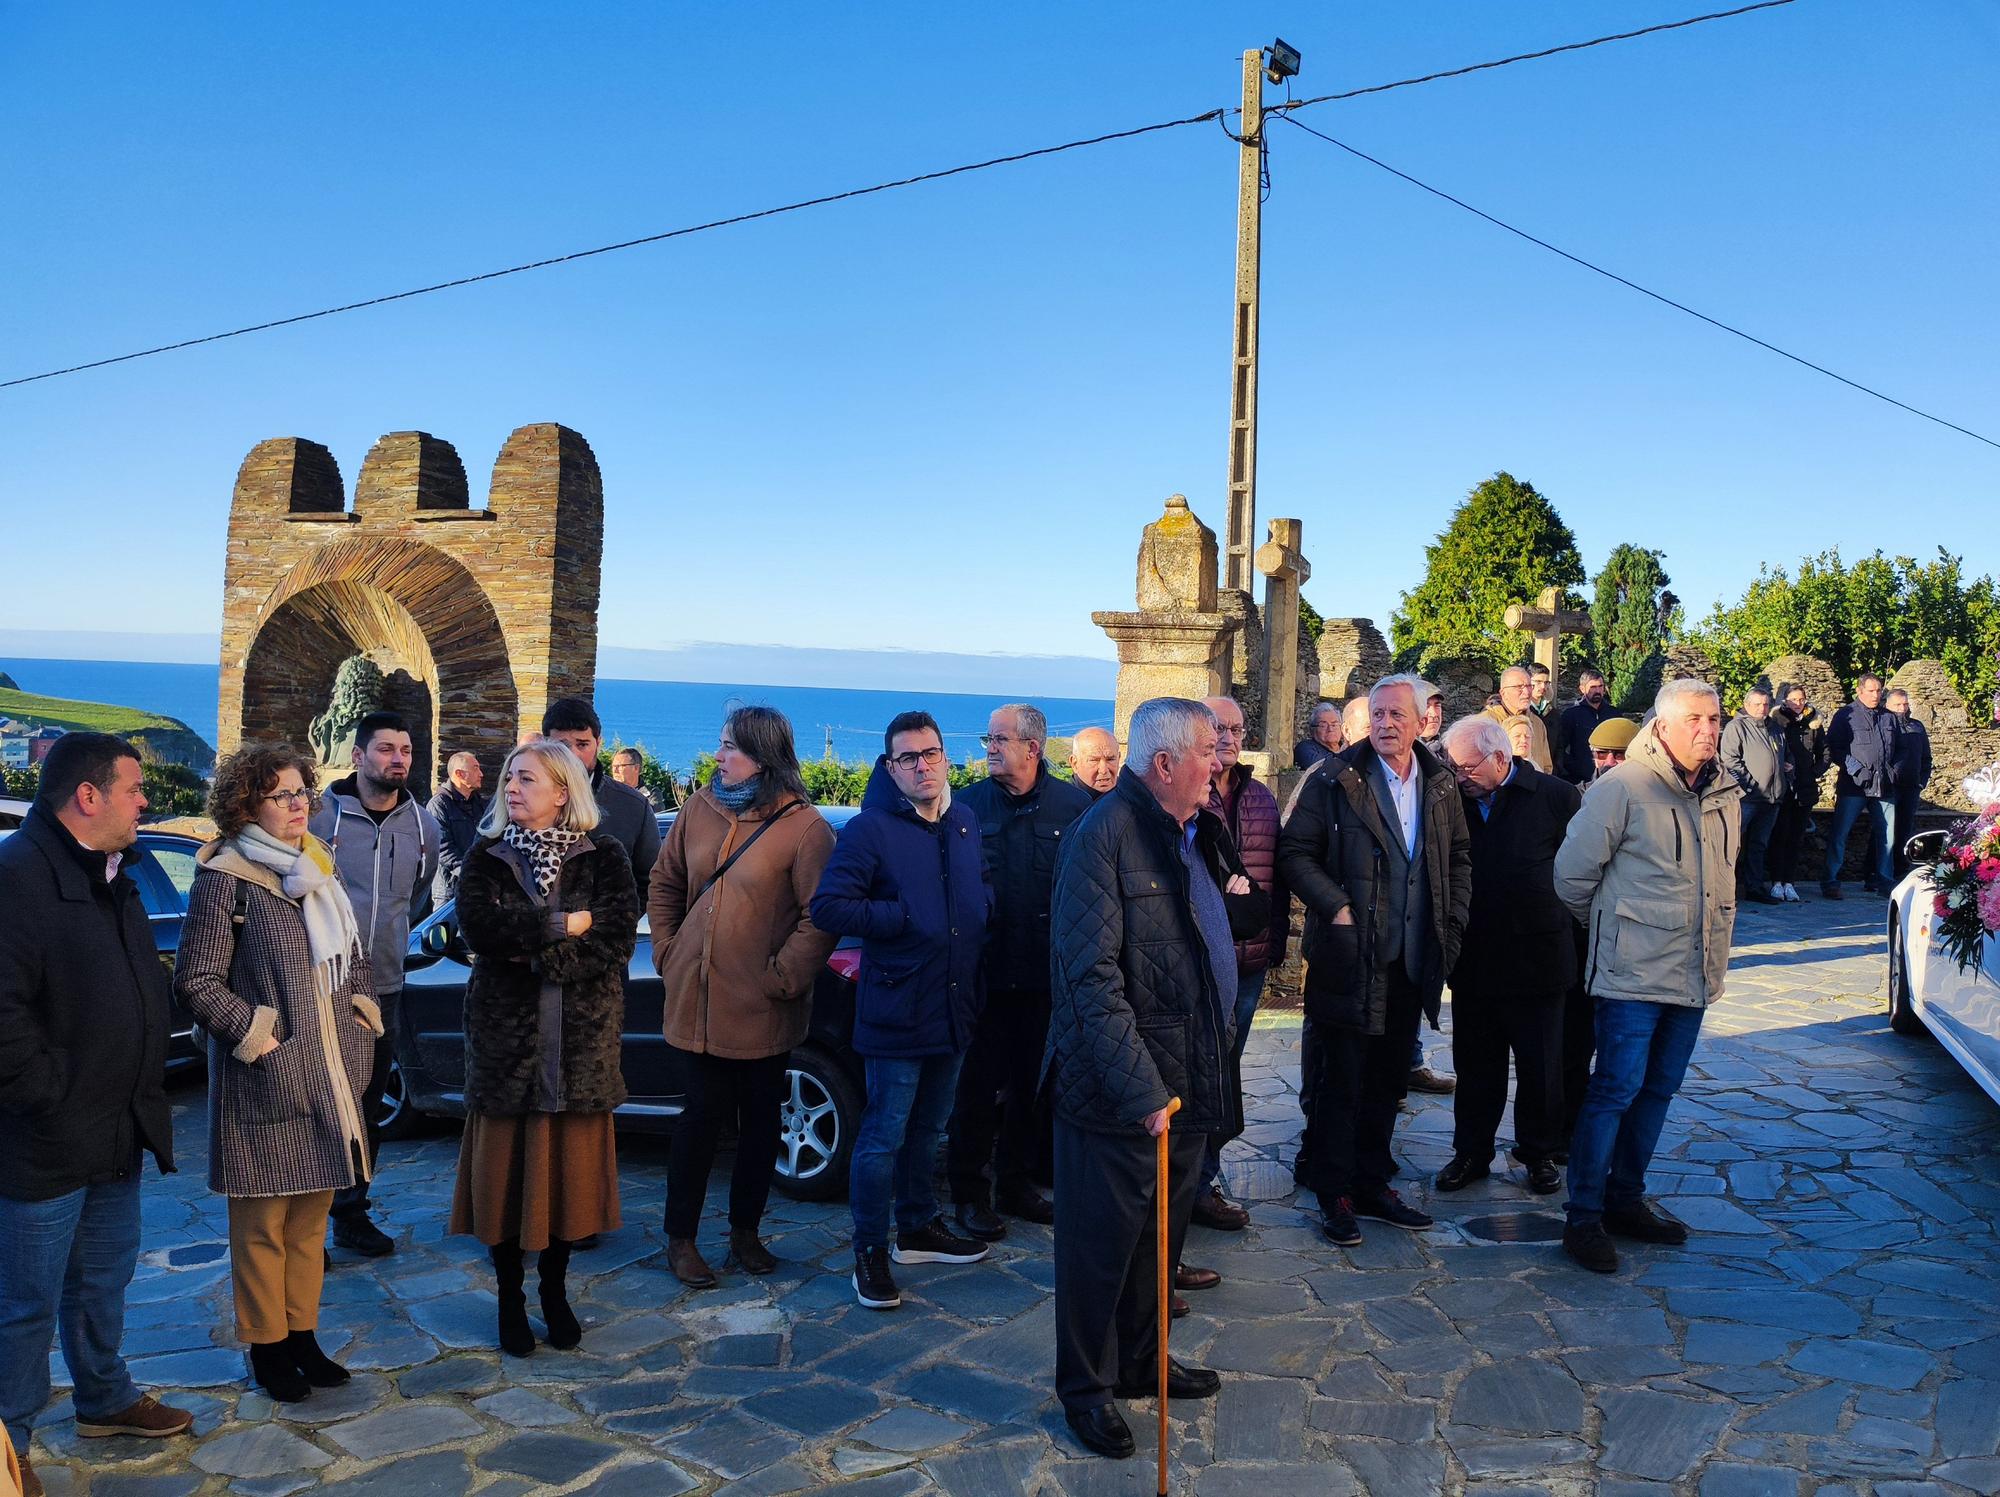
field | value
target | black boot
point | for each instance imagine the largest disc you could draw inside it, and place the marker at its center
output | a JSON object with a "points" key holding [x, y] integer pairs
{"points": [[314, 1365], [271, 1365], [517, 1338], [564, 1332]]}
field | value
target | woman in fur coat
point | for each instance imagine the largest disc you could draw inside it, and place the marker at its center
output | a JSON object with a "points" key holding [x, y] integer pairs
{"points": [[549, 911]]}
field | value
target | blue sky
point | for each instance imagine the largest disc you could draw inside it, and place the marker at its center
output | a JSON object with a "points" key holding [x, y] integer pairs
{"points": [[938, 418]]}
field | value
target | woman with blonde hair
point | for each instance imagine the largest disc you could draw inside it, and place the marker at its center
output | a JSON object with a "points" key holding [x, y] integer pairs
{"points": [[272, 966], [549, 911]]}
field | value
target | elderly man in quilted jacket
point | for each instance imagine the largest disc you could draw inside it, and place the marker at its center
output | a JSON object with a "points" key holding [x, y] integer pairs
{"points": [[1649, 866], [1150, 900], [1250, 812]]}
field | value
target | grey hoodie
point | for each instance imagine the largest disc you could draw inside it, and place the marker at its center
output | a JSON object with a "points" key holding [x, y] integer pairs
{"points": [[384, 868], [1753, 751]]}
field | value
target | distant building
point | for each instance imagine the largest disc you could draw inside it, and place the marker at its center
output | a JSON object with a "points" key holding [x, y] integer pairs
{"points": [[22, 746]]}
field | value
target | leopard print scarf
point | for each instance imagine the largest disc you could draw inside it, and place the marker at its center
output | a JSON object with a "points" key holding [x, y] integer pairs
{"points": [[544, 851]]}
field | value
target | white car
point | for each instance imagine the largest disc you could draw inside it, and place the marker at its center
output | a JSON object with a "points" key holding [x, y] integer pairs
{"points": [[1928, 990]]}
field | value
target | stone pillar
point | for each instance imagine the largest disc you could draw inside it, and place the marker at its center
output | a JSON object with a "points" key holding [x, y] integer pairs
{"points": [[1285, 569], [1175, 644]]}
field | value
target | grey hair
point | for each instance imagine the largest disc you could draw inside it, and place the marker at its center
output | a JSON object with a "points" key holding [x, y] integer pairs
{"points": [[1425, 691], [1322, 709], [1897, 691], [1683, 686], [1418, 686], [1030, 722], [1163, 725], [1480, 733], [463, 756], [1756, 689], [1520, 670]]}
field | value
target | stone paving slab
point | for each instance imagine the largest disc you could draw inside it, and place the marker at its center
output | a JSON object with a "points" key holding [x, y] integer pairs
{"points": [[1833, 1326]]}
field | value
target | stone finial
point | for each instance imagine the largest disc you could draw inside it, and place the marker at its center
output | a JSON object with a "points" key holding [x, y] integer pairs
{"points": [[1177, 561]]}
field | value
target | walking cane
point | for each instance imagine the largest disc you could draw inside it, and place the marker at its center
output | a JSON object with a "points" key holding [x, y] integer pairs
{"points": [[1166, 1274]]}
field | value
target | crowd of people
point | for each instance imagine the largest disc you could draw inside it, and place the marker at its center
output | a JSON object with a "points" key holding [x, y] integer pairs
{"points": [[1047, 963]]}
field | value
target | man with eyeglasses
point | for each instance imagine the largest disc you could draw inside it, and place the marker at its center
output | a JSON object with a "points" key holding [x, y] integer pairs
{"points": [[1517, 959], [1024, 813], [907, 877], [385, 848]]}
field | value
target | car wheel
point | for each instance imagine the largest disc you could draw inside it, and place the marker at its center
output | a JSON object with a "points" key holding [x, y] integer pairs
{"points": [[1902, 1011], [397, 1117], [818, 1119]]}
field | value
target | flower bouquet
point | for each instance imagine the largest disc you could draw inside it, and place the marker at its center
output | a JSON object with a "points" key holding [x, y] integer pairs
{"points": [[1965, 876]]}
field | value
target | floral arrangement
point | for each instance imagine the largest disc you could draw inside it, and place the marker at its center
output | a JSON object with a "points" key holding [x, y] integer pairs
{"points": [[1965, 876]]}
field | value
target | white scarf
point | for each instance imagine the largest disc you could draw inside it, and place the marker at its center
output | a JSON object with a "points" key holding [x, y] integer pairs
{"points": [[309, 880]]}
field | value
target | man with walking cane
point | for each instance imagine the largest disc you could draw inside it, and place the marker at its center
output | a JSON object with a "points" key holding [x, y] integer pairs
{"points": [[1143, 976]]}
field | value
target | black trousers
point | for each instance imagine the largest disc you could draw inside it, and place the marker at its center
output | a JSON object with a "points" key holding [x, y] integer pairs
{"points": [[1483, 1032], [746, 1094], [352, 1201], [1787, 840], [1107, 1264], [1361, 1081], [997, 1132]]}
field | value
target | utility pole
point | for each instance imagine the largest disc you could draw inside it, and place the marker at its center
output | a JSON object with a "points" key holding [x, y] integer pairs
{"points": [[1241, 536]]}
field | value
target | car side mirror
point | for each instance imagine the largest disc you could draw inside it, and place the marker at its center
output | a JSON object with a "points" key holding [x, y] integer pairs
{"points": [[440, 939], [1924, 847]]}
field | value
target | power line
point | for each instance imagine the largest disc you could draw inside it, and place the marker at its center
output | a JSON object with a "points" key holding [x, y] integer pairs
{"points": [[1714, 322], [859, 192], [1501, 62]]}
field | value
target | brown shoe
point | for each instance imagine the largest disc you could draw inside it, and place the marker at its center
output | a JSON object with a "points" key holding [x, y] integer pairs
{"points": [[148, 1417], [750, 1253], [1424, 1079], [688, 1265], [1215, 1211], [1186, 1278], [31, 1484], [1176, 1307]]}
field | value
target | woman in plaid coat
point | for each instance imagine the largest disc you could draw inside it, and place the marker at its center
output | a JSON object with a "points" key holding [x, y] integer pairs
{"points": [[272, 966]]}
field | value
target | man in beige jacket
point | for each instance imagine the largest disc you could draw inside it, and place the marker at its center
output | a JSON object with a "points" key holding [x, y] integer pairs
{"points": [[1649, 866], [1516, 700]]}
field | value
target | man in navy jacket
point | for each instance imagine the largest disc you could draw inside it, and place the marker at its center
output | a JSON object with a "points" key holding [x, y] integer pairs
{"points": [[1863, 742], [906, 877]]}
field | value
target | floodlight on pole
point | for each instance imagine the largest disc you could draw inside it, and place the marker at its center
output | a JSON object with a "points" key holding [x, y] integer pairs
{"points": [[1281, 60]]}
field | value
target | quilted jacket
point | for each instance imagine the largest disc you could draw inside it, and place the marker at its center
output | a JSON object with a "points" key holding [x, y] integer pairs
{"points": [[1135, 1016], [1251, 813], [1333, 853], [545, 1011], [916, 894]]}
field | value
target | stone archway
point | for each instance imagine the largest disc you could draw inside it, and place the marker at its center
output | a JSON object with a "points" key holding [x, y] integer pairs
{"points": [[477, 617]]}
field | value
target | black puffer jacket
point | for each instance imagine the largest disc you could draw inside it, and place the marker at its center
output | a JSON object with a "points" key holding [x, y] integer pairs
{"points": [[545, 1011], [84, 1006], [1020, 836], [1334, 854], [1135, 1016]]}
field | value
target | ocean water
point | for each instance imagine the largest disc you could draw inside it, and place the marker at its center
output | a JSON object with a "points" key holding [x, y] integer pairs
{"points": [[675, 720]]}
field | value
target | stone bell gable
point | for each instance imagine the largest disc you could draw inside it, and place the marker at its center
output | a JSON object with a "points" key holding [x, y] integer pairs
{"points": [[478, 618]]}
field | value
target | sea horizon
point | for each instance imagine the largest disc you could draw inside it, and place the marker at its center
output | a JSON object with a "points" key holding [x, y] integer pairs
{"points": [[674, 720]]}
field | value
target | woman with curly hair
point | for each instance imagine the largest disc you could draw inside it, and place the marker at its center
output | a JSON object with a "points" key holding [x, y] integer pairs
{"points": [[273, 967], [547, 906]]}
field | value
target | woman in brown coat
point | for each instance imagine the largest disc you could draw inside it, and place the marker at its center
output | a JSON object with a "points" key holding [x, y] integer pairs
{"points": [[737, 955], [273, 968], [549, 911]]}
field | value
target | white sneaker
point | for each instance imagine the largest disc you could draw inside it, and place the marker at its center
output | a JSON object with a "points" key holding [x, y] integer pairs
{"points": [[1791, 895]]}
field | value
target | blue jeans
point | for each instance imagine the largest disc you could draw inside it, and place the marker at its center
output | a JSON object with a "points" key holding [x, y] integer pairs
{"points": [[1249, 992], [1642, 1054], [65, 1263], [896, 1146], [1881, 832]]}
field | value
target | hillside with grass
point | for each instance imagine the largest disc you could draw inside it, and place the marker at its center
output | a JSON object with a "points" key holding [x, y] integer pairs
{"points": [[165, 739]]}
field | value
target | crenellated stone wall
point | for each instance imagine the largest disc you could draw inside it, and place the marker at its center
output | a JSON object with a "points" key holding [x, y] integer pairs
{"points": [[479, 617]]}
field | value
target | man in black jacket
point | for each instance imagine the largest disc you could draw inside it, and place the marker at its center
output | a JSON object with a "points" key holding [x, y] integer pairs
{"points": [[1913, 772], [1024, 814], [1149, 900], [457, 809], [1378, 851], [84, 1008], [1575, 725], [1862, 742], [1517, 959], [627, 815]]}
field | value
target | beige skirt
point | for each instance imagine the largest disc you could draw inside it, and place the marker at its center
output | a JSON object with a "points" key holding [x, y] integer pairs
{"points": [[539, 1177]]}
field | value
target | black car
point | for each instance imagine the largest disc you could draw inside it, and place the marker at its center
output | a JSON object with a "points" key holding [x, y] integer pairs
{"points": [[821, 1111]]}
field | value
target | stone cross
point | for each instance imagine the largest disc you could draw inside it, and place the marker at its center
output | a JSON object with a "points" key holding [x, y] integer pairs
{"points": [[1548, 621], [1285, 570]]}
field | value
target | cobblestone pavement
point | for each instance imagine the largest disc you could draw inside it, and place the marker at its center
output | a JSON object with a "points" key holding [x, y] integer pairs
{"points": [[1833, 1326]]}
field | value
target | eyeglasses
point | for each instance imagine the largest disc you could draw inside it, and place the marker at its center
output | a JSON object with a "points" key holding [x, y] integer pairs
{"points": [[290, 799], [1223, 730], [909, 761], [998, 740]]}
